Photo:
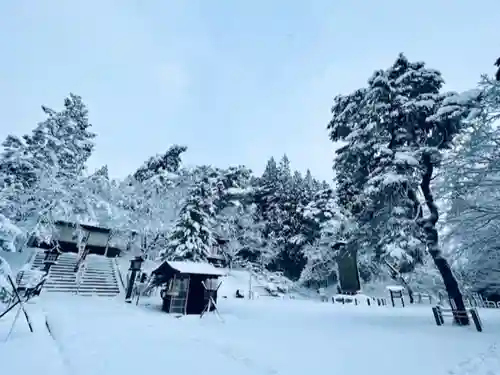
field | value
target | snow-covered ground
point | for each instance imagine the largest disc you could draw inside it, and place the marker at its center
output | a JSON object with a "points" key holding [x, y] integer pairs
{"points": [[263, 336]]}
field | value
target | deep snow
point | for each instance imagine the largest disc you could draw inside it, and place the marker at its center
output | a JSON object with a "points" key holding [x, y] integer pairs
{"points": [[263, 336]]}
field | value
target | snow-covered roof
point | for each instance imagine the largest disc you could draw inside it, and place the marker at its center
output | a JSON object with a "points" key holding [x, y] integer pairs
{"points": [[196, 268]]}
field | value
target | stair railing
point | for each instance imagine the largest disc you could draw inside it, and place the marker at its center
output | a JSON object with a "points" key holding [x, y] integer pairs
{"points": [[81, 270], [118, 271], [83, 252]]}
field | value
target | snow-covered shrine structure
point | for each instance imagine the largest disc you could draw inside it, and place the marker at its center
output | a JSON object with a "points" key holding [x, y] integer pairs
{"points": [[70, 237]]}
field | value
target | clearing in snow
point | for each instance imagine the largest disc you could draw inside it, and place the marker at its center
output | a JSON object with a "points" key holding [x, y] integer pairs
{"points": [[265, 336]]}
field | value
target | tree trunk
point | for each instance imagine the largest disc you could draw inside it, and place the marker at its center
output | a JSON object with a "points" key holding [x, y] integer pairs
{"points": [[432, 242]]}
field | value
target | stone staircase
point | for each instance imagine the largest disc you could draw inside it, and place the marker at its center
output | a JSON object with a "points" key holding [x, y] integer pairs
{"points": [[96, 277]]}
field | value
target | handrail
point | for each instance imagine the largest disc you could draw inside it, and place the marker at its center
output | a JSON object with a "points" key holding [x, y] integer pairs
{"points": [[81, 259], [120, 277], [79, 275]]}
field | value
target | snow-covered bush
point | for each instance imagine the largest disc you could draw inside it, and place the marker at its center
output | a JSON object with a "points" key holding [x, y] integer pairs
{"points": [[9, 233]]}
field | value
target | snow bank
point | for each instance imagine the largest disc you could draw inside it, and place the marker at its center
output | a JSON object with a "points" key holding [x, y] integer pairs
{"points": [[27, 353]]}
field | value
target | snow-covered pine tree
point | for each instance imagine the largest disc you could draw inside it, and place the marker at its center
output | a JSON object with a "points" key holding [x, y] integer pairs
{"points": [[159, 165], [324, 225], [267, 185], [268, 203], [18, 167], [284, 221], [155, 195], [192, 236], [9, 233], [232, 187], [310, 187], [395, 130], [40, 171], [102, 172], [63, 141], [280, 194]]}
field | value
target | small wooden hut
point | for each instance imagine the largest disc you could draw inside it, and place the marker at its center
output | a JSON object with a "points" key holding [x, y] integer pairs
{"points": [[185, 285]]}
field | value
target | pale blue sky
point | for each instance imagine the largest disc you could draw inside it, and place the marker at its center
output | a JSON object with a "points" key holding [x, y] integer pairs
{"points": [[236, 81]]}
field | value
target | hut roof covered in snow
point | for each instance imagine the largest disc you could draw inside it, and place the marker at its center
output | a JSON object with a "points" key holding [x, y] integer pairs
{"points": [[192, 268]]}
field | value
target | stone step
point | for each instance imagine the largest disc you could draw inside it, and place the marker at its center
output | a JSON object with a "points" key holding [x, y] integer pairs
{"points": [[82, 287], [84, 294], [74, 290], [83, 281], [102, 279], [97, 278], [65, 270], [98, 275], [56, 275], [84, 277], [62, 269]]}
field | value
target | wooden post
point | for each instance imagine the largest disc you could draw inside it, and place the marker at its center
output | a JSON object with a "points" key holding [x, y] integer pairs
{"points": [[21, 304], [437, 318], [250, 285], [477, 321]]}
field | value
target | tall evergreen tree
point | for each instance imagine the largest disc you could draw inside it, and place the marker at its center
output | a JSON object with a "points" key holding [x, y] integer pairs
{"points": [[395, 130], [325, 225], [63, 142], [192, 236]]}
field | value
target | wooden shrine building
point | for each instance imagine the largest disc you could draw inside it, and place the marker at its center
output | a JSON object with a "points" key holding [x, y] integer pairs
{"points": [[185, 285], [68, 237]]}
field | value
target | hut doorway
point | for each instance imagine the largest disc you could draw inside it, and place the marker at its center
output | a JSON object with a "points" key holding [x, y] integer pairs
{"points": [[179, 294], [197, 295]]}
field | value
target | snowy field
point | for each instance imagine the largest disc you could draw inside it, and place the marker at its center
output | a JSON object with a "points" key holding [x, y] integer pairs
{"points": [[264, 336]]}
